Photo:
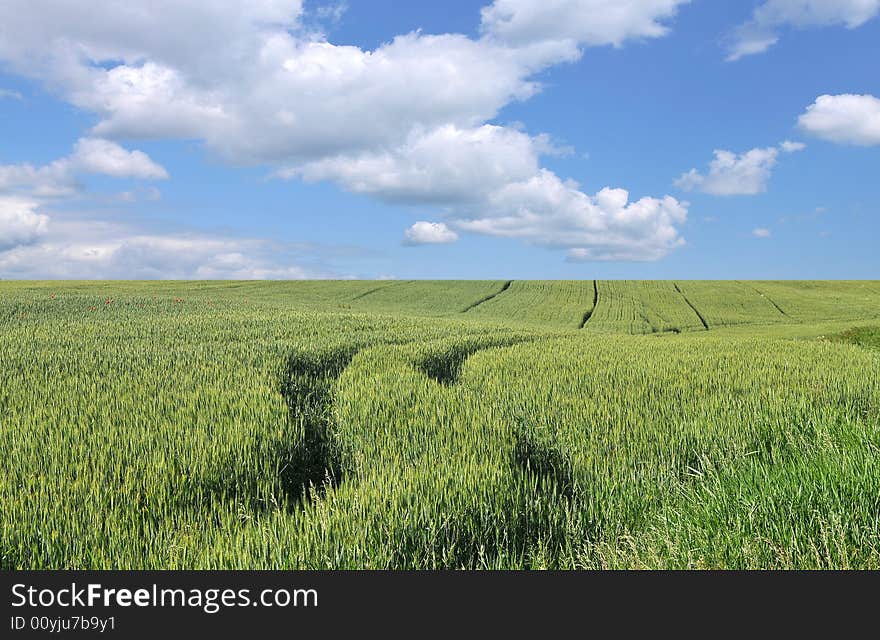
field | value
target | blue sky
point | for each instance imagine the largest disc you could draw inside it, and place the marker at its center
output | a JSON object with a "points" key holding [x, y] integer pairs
{"points": [[275, 139]]}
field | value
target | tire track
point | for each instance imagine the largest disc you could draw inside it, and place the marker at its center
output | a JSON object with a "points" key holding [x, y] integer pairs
{"points": [[374, 290], [445, 365], [691, 305], [489, 297], [589, 314], [314, 463], [767, 298]]}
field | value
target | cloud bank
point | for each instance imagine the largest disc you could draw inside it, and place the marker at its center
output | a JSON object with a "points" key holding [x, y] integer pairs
{"points": [[90, 156], [407, 122], [35, 245]]}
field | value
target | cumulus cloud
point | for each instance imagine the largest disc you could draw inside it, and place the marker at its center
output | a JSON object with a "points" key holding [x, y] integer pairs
{"points": [[590, 22], [94, 155], [732, 174], [845, 119], [770, 18], [405, 122], [266, 92], [254, 86], [429, 233], [737, 174], [491, 180], [20, 224], [445, 165], [547, 211], [90, 156], [761, 232]]}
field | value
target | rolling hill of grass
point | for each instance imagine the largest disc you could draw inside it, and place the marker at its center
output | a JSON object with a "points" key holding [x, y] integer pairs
{"points": [[520, 424]]}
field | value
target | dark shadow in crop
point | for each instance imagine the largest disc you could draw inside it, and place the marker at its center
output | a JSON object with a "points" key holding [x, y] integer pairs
{"points": [[531, 506], [445, 366], [537, 454], [312, 463], [868, 337], [299, 462]]}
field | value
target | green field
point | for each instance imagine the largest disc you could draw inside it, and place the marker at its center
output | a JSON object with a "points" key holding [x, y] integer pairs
{"points": [[455, 424]]}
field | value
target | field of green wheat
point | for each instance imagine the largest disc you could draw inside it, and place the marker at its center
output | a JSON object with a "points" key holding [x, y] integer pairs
{"points": [[454, 424]]}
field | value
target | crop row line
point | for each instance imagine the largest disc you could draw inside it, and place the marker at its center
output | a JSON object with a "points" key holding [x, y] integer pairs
{"points": [[504, 288], [692, 306], [589, 314]]}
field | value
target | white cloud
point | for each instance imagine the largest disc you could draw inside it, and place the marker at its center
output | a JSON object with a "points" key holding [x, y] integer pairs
{"points": [[9, 93], [93, 155], [51, 181], [845, 119], [79, 247], [405, 122], [749, 41], [264, 94], [90, 156], [791, 147], [446, 165], [246, 79], [546, 211], [590, 22], [20, 224], [737, 174], [491, 180], [762, 31], [761, 232], [179, 33], [143, 257], [429, 233], [732, 174]]}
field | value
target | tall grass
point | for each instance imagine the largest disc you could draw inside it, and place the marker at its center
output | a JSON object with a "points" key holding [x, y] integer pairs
{"points": [[258, 425]]}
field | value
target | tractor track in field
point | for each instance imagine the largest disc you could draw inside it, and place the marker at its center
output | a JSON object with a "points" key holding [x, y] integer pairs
{"points": [[589, 314], [374, 290], [445, 366], [767, 298], [692, 306], [492, 296], [313, 464]]}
